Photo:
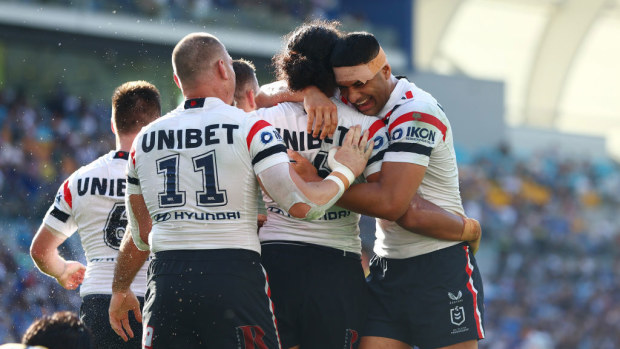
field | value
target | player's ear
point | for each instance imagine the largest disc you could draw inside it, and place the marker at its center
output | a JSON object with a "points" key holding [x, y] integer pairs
{"points": [[251, 99], [221, 67], [112, 126], [386, 71], [176, 80]]}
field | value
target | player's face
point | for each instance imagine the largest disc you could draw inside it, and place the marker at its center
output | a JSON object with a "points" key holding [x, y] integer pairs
{"points": [[368, 97]]}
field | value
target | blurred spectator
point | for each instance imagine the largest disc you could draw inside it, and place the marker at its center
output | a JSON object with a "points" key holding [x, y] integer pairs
{"points": [[61, 330]]}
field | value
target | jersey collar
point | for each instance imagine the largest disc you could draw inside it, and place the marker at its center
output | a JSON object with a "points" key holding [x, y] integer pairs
{"points": [[121, 155], [403, 92]]}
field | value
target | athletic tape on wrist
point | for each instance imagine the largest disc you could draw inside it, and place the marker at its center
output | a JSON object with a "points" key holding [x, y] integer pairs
{"points": [[338, 181], [338, 167]]}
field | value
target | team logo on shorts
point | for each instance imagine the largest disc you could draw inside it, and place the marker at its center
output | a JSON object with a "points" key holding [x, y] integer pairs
{"points": [[457, 315], [350, 338], [455, 298]]}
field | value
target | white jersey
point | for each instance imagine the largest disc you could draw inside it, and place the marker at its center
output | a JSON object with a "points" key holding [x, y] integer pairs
{"points": [[92, 201], [338, 228], [420, 133], [196, 168]]}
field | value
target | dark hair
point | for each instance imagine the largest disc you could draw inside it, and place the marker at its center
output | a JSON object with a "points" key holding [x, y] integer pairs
{"points": [[61, 330], [134, 105], [305, 60], [354, 49], [245, 73]]}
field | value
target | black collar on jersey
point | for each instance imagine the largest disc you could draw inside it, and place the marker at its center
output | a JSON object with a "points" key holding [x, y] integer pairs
{"points": [[121, 155], [194, 103]]}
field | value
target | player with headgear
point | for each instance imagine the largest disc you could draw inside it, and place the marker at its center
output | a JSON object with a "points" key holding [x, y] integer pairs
{"points": [[314, 267], [91, 201], [425, 291]]}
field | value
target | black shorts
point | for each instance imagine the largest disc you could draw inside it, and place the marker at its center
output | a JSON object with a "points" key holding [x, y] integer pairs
{"points": [[208, 299], [319, 294], [94, 313], [432, 300]]}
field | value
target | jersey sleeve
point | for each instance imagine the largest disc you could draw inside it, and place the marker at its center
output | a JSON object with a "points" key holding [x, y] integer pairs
{"points": [[277, 113], [60, 214], [377, 132], [133, 182], [414, 132], [265, 145]]}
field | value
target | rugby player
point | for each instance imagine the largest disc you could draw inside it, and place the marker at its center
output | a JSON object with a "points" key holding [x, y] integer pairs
{"points": [[314, 267], [91, 200], [246, 88], [60, 330], [424, 291], [192, 182], [246, 85]]}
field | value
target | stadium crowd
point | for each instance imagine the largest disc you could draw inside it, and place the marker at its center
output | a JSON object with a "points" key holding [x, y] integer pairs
{"points": [[204, 9], [548, 253]]}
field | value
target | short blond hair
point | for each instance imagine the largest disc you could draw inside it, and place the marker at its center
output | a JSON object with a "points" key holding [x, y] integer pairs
{"points": [[194, 55]]}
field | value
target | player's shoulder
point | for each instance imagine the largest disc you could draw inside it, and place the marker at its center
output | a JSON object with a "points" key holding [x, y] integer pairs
{"points": [[281, 113], [419, 105], [96, 167]]}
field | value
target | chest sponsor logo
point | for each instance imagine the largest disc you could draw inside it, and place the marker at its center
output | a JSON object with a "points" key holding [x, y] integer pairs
{"points": [[196, 216], [298, 141], [328, 216], [188, 138], [101, 186]]}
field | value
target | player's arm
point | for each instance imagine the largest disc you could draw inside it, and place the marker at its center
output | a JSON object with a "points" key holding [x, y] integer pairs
{"points": [[44, 253], [390, 195], [310, 200], [422, 216], [322, 112], [425, 218], [129, 261]]}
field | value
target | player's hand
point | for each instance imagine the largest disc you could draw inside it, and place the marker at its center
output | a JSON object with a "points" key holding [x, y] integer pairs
{"points": [[120, 305], [261, 219], [72, 276], [472, 233], [355, 150], [322, 113], [303, 167]]}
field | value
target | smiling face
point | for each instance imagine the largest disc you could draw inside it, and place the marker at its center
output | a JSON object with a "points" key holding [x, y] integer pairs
{"points": [[371, 96]]}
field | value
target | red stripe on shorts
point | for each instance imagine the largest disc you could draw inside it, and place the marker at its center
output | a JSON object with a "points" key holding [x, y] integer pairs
{"points": [[469, 268]]}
